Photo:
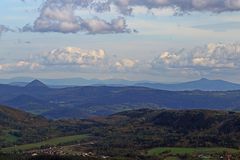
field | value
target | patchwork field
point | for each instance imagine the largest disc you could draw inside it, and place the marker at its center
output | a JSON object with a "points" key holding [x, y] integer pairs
{"points": [[50, 142], [182, 151]]}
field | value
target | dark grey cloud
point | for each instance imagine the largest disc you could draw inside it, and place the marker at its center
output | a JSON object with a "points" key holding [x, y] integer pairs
{"points": [[125, 6], [181, 6]]}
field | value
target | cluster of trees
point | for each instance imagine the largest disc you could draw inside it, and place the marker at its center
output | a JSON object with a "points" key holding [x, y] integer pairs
{"points": [[129, 133]]}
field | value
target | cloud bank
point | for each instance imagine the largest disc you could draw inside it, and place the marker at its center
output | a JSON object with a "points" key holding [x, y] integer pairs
{"points": [[209, 59], [21, 65], [181, 6], [60, 15], [212, 57], [90, 60]]}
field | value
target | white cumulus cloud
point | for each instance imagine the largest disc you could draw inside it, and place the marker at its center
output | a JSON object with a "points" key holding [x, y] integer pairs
{"points": [[214, 56], [125, 64], [73, 56], [21, 65]]}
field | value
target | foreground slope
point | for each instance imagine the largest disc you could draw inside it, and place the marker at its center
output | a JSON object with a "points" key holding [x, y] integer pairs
{"points": [[132, 134], [18, 127], [16, 119]]}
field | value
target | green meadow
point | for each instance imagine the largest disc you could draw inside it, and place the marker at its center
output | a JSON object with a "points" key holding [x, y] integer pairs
{"points": [[50, 142], [179, 150]]}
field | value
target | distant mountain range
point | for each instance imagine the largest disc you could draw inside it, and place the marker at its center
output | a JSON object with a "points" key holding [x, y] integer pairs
{"points": [[22, 81], [202, 84], [82, 102]]}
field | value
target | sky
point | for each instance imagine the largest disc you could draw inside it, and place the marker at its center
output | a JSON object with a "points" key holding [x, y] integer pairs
{"points": [[155, 40]]}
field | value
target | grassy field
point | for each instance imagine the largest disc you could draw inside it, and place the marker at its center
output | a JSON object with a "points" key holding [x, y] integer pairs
{"points": [[52, 142], [6, 137], [178, 150]]}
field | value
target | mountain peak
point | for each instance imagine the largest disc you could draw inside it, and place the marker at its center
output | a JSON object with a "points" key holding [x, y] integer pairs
{"points": [[204, 79], [36, 84]]}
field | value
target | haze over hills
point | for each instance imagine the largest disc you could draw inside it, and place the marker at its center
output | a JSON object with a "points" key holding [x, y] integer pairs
{"points": [[201, 84], [22, 81], [82, 102]]}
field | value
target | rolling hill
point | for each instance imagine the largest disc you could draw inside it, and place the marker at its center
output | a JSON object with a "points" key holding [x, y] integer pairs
{"points": [[171, 128], [83, 102], [15, 118], [18, 127]]}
